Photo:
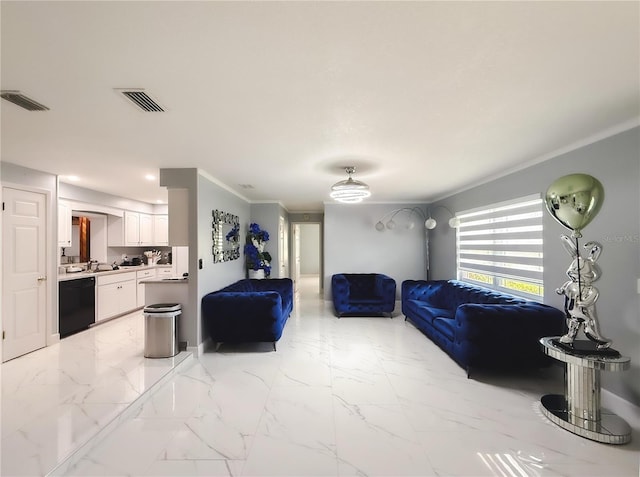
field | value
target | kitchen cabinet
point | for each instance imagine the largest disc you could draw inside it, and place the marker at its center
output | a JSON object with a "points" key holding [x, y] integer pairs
{"points": [[138, 229], [131, 228], [161, 230], [135, 229], [117, 294], [143, 275], [64, 224], [180, 261], [146, 229], [165, 272]]}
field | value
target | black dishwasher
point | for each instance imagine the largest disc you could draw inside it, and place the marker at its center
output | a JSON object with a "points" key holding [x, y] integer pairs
{"points": [[76, 304]]}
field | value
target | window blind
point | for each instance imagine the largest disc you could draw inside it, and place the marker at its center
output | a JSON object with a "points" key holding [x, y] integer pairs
{"points": [[500, 247]]}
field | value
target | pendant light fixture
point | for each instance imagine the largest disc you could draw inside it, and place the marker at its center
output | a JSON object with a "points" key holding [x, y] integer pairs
{"points": [[350, 191]]}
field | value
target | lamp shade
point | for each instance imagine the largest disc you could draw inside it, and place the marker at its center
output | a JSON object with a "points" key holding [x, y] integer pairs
{"points": [[349, 190], [430, 223]]}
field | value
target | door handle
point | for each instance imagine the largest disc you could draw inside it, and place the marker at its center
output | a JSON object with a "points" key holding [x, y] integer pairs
{"points": [[42, 279]]}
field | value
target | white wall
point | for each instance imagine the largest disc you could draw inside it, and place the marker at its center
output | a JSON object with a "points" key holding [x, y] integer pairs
{"points": [[88, 196], [353, 245]]}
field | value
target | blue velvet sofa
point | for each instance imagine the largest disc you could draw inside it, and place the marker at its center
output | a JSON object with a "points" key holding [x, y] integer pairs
{"points": [[248, 310], [478, 327], [363, 294]]}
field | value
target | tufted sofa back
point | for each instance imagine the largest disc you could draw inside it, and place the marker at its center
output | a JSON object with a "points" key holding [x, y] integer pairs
{"points": [[361, 284], [461, 293], [449, 294]]}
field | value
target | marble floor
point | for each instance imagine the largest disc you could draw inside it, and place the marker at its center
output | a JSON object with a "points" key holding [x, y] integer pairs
{"points": [[340, 397], [60, 399]]}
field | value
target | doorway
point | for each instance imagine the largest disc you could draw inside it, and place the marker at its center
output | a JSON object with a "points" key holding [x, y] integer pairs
{"points": [[307, 258]]}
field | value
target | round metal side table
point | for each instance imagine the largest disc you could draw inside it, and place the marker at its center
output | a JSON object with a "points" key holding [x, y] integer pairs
{"points": [[579, 410]]}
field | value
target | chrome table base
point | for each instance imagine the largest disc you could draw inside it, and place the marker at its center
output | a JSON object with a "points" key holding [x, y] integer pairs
{"points": [[610, 429], [579, 410]]}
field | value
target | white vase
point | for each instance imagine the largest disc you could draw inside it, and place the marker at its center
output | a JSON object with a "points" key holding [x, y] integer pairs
{"points": [[257, 274]]}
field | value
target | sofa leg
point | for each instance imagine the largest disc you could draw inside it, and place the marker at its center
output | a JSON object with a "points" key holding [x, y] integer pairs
{"points": [[274, 346], [218, 344]]}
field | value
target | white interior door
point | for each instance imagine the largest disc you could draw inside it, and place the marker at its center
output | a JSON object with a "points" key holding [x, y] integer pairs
{"points": [[24, 263]]}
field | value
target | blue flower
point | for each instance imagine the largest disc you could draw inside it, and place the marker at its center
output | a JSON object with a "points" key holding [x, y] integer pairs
{"points": [[255, 256], [234, 234]]}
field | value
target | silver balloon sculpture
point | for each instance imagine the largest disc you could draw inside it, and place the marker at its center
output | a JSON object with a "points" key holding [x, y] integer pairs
{"points": [[574, 200]]}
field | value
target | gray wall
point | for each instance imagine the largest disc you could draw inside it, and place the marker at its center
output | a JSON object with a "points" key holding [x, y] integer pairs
{"points": [[204, 195], [615, 161], [214, 276], [310, 249], [353, 245]]}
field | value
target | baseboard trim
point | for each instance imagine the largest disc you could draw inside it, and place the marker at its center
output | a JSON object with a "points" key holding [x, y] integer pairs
{"points": [[623, 408], [198, 351], [53, 339]]}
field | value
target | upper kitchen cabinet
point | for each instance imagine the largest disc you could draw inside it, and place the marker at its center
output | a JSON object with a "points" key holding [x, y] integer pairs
{"points": [[161, 229], [146, 230], [137, 229], [64, 224], [131, 229]]}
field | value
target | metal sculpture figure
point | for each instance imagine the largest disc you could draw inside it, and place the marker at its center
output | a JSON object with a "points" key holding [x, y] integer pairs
{"points": [[580, 295]]}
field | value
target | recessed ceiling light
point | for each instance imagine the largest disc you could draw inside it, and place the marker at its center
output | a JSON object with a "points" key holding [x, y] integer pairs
{"points": [[73, 178], [150, 177], [159, 201]]}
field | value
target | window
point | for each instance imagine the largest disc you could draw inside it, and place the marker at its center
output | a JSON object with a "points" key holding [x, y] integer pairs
{"points": [[500, 247]]}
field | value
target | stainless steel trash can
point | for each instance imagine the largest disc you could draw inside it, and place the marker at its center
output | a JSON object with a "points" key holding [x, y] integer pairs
{"points": [[161, 330]]}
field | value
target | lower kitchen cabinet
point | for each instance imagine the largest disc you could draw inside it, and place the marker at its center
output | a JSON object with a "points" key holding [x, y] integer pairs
{"points": [[143, 275], [165, 272], [117, 294]]}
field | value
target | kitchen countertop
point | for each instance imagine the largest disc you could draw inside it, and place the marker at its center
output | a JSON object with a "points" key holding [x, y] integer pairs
{"points": [[85, 274], [166, 281]]}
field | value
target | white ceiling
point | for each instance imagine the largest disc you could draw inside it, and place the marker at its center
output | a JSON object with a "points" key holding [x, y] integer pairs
{"points": [[424, 98]]}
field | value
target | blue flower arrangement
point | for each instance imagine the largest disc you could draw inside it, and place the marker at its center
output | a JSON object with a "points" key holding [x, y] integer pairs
{"points": [[255, 255], [234, 234]]}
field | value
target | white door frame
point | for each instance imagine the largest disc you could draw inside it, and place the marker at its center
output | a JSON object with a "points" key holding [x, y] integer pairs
{"points": [[294, 258], [51, 253]]}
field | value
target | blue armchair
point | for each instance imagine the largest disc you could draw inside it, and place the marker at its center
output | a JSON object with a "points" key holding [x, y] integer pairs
{"points": [[363, 294]]}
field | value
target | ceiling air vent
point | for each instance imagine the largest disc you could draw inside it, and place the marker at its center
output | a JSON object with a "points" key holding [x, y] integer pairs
{"points": [[19, 99], [141, 99]]}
